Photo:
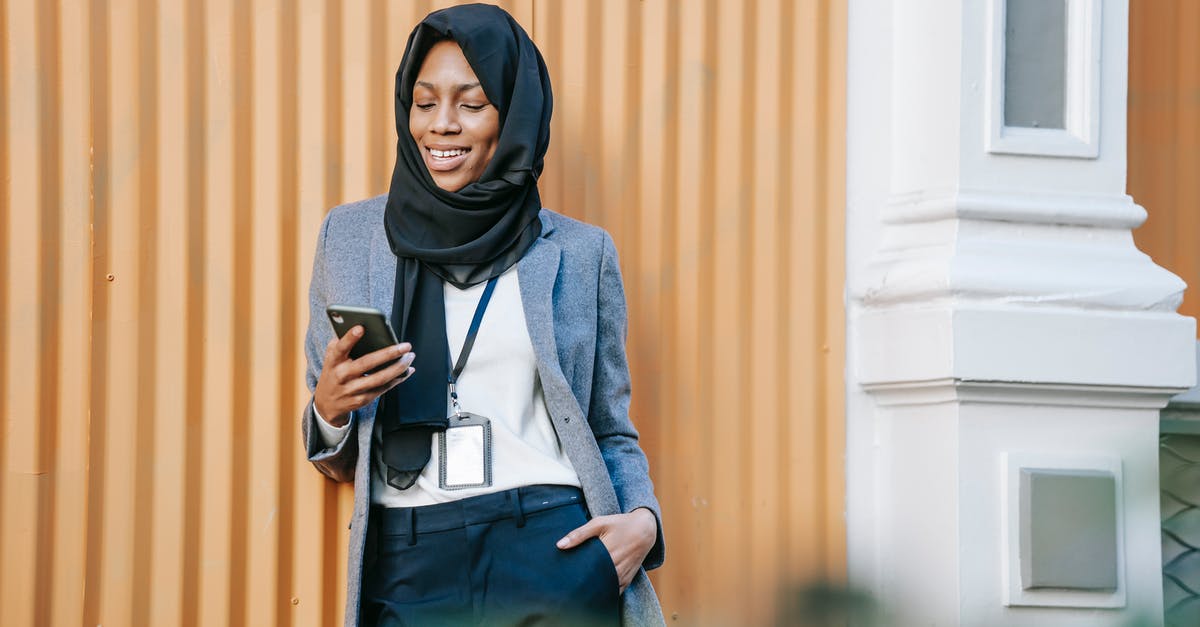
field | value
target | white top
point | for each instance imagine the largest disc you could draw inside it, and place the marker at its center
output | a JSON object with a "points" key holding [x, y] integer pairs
{"points": [[500, 382]]}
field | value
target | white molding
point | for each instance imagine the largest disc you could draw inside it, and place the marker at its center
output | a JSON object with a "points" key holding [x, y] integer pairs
{"points": [[1015, 247], [948, 390], [1191, 398], [1025, 345], [1010, 528], [1008, 205], [1182, 414], [1015, 264], [1081, 137]]}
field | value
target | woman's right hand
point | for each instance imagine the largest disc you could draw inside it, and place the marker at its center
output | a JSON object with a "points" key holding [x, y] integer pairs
{"points": [[342, 386]]}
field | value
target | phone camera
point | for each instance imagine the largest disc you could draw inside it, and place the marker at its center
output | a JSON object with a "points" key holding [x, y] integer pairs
{"points": [[338, 318]]}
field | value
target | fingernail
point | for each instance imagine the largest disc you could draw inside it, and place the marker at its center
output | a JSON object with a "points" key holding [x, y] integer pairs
{"points": [[357, 331], [562, 544], [399, 348]]}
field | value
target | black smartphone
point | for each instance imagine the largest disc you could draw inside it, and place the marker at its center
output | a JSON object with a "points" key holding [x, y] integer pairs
{"points": [[377, 333]]}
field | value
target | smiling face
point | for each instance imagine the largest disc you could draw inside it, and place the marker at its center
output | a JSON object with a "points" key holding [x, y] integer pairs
{"points": [[452, 121]]}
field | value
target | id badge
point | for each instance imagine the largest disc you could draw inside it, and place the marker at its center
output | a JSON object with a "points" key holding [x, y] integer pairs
{"points": [[465, 453]]}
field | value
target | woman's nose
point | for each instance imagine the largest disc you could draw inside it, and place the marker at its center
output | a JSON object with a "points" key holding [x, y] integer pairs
{"points": [[446, 121]]}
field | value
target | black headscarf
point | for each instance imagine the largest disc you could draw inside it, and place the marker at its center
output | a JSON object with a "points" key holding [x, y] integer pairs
{"points": [[464, 237]]}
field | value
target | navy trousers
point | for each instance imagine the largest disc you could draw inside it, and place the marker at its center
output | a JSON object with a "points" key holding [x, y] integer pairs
{"points": [[487, 560]]}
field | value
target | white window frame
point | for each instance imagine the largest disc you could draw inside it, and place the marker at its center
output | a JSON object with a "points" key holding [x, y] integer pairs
{"points": [[1081, 137]]}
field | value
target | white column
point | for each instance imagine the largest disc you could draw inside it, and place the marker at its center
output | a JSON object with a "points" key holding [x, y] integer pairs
{"points": [[1000, 318]]}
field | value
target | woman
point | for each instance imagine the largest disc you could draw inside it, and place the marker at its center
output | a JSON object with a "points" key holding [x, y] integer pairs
{"points": [[497, 476]]}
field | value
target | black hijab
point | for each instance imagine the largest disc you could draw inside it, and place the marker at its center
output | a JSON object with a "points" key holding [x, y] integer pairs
{"points": [[464, 237]]}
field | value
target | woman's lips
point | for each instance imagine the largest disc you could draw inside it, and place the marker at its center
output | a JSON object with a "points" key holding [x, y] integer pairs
{"points": [[445, 159]]}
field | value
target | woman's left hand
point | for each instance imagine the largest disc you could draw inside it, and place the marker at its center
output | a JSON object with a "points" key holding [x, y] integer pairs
{"points": [[628, 538]]}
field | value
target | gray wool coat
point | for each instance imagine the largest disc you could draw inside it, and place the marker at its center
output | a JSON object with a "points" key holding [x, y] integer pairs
{"points": [[574, 305]]}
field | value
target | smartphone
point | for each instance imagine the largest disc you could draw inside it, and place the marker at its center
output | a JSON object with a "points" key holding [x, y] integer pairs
{"points": [[377, 333]]}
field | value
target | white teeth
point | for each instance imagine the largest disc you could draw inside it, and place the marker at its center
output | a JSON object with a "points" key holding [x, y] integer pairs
{"points": [[443, 154]]}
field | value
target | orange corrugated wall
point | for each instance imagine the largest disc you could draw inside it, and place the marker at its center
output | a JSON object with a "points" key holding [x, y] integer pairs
{"points": [[1164, 136], [165, 166]]}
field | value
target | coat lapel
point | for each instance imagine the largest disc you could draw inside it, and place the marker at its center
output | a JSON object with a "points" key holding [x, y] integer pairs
{"points": [[537, 272]]}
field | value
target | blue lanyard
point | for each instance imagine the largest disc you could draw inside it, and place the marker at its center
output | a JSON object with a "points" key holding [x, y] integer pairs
{"points": [[457, 368]]}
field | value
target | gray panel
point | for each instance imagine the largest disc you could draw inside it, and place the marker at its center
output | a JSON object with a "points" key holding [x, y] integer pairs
{"points": [[1035, 63], [1068, 529]]}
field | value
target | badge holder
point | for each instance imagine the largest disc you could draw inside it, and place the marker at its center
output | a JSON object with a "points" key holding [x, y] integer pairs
{"points": [[465, 450]]}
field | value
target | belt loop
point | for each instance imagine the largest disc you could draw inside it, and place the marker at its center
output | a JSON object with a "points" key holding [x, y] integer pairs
{"points": [[411, 514], [514, 496]]}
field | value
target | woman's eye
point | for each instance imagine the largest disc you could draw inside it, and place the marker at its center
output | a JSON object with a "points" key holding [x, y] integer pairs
{"points": [[471, 107], [424, 106]]}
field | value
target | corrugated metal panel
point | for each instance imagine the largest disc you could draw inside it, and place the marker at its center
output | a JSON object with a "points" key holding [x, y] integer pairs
{"points": [[1164, 135], [166, 164]]}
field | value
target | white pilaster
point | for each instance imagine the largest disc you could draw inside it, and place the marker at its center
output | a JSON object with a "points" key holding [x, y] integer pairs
{"points": [[998, 310]]}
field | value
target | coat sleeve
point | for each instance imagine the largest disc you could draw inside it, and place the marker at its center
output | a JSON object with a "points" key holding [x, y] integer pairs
{"points": [[336, 462], [609, 407]]}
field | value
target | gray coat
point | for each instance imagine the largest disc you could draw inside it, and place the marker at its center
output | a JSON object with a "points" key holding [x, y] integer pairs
{"points": [[575, 309]]}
